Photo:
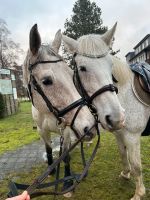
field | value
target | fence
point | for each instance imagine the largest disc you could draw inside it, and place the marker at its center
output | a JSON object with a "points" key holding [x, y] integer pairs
{"points": [[11, 105]]}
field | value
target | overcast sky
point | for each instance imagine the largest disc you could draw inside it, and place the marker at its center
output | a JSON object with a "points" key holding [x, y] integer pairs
{"points": [[133, 17]]}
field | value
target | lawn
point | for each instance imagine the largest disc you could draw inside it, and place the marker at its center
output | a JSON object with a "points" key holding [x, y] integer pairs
{"points": [[102, 183], [16, 130]]}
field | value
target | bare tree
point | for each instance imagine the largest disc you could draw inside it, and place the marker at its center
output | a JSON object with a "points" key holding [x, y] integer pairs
{"points": [[9, 50]]}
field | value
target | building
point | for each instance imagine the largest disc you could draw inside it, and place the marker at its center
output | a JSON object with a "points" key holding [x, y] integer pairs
{"points": [[11, 88], [141, 51], [8, 91]]}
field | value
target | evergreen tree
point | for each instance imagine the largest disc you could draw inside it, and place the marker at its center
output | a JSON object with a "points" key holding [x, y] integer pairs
{"points": [[86, 19]]}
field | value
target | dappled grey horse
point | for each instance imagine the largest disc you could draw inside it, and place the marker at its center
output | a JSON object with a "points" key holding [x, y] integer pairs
{"points": [[97, 68], [50, 84]]}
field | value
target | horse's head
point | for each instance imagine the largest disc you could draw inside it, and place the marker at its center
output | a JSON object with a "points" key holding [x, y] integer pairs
{"points": [[94, 66], [45, 69]]}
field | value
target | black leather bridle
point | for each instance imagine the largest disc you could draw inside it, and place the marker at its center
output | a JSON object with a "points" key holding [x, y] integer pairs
{"points": [[57, 113], [79, 85], [85, 98]]}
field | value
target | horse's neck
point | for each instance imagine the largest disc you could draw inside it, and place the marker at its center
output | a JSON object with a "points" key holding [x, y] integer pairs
{"points": [[124, 76], [45, 121]]}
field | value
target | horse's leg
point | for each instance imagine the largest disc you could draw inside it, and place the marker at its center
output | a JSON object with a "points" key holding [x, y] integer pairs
{"points": [[124, 156], [49, 157], [67, 170], [133, 147], [47, 141]]}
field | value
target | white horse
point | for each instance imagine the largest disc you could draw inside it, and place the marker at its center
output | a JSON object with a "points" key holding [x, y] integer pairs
{"points": [[96, 66], [56, 81]]}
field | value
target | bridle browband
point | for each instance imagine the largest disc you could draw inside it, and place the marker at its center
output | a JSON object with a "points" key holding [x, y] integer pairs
{"points": [[91, 56]]}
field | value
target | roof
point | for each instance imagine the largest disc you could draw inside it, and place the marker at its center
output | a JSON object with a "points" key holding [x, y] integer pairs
{"points": [[147, 36], [129, 53]]}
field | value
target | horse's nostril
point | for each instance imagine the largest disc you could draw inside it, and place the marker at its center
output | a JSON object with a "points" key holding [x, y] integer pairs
{"points": [[86, 129], [109, 121]]}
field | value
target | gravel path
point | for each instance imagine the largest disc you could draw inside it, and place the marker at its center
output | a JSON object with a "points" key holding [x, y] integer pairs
{"points": [[24, 158]]}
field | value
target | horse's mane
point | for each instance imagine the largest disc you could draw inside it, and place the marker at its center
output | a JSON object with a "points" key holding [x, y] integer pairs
{"points": [[92, 45], [25, 70], [121, 71]]}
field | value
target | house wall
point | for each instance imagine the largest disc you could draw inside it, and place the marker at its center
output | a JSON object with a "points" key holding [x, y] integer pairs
{"points": [[141, 53]]}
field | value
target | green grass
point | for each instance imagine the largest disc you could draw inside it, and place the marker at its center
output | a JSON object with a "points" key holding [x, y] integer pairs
{"points": [[103, 182], [16, 130]]}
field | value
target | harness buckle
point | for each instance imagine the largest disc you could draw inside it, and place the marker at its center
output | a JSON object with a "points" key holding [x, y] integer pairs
{"points": [[61, 124], [93, 109]]}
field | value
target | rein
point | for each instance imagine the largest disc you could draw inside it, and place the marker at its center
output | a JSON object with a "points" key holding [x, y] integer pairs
{"points": [[77, 177]]}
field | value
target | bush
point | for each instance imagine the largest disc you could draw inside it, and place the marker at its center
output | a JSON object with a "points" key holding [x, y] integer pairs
{"points": [[2, 106]]}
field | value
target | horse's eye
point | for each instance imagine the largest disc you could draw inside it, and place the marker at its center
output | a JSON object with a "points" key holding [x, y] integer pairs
{"points": [[83, 68], [47, 81]]}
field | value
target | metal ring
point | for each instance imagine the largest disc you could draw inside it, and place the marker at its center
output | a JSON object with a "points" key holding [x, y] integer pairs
{"points": [[61, 123]]}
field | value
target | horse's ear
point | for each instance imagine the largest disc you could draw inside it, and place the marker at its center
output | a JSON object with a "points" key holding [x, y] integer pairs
{"points": [[109, 35], [35, 40], [70, 44], [57, 41]]}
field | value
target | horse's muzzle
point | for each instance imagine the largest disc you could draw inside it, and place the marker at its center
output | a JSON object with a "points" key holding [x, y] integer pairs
{"points": [[113, 125]]}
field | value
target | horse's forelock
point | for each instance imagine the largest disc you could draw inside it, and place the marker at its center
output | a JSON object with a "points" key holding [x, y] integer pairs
{"points": [[92, 45], [44, 51]]}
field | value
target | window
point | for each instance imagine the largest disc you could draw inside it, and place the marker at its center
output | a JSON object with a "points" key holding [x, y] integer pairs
{"points": [[146, 42], [136, 51]]}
